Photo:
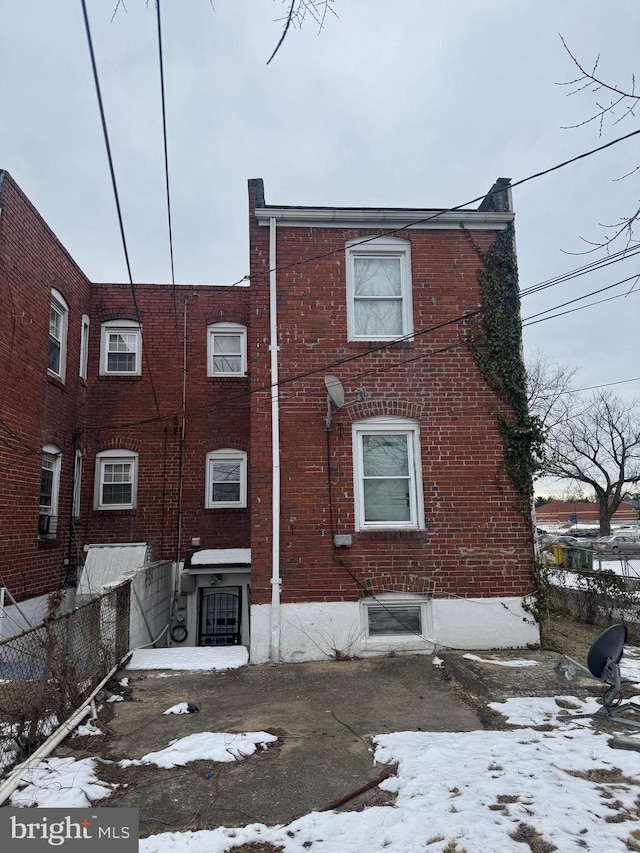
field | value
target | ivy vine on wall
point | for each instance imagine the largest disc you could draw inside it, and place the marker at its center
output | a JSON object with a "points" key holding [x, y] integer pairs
{"points": [[496, 343]]}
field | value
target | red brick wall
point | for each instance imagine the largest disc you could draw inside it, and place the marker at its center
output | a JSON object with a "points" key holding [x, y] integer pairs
{"points": [[106, 412], [34, 409], [475, 542], [122, 412]]}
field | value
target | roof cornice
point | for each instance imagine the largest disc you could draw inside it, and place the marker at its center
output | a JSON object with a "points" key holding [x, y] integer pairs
{"points": [[328, 217]]}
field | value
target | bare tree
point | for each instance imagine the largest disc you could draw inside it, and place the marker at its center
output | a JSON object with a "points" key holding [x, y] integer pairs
{"points": [[595, 441], [299, 11], [613, 103], [547, 383]]}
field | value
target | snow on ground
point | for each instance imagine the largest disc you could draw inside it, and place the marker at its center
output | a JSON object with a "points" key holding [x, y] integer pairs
{"points": [[467, 791], [189, 659], [61, 783], [516, 663], [205, 746]]}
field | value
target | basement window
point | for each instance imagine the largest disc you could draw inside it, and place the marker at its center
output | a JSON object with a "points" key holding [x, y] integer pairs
{"points": [[400, 616]]}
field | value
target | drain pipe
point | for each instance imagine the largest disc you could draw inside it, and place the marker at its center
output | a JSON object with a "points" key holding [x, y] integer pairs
{"points": [[13, 780], [274, 653]]}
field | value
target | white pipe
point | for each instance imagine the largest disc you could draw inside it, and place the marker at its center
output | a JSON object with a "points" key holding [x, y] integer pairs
{"points": [[13, 780], [275, 450], [1, 610]]}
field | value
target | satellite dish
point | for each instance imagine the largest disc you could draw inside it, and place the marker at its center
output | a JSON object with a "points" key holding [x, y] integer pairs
{"points": [[607, 647], [603, 663], [334, 390], [335, 395]]}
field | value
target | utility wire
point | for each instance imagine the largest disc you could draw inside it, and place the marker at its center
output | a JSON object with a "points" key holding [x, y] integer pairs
{"points": [[115, 193], [166, 165], [232, 399], [464, 207]]}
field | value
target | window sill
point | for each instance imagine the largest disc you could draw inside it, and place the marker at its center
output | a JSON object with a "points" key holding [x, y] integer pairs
{"points": [[128, 377], [226, 508], [115, 510], [45, 541], [390, 535], [55, 380], [409, 344], [227, 376]]}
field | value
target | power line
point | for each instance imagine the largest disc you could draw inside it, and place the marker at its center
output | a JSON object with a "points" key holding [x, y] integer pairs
{"points": [[166, 163], [459, 207], [115, 192], [231, 400]]}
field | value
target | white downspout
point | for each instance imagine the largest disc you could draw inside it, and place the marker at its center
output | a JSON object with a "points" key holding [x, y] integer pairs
{"points": [[274, 653]]}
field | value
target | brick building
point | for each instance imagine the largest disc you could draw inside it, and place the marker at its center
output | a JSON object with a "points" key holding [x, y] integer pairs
{"points": [[317, 452]]}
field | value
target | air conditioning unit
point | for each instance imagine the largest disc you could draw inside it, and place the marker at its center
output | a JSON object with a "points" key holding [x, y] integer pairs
{"points": [[47, 525]]}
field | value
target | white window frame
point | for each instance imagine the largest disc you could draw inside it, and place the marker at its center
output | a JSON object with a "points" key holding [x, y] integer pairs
{"points": [[84, 347], [110, 457], [226, 455], [77, 484], [59, 305], [112, 327], [389, 426], [391, 601], [381, 247], [227, 330], [53, 455]]}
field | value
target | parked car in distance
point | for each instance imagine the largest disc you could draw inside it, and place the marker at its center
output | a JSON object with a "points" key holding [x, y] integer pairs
{"points": [[571, 541], [617, 544]]}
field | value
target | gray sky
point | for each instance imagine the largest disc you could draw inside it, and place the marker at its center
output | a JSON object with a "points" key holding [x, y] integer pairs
{"points": [[407, 104]]}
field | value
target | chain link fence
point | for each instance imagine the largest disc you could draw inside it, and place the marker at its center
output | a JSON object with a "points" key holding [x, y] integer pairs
{"points": [[610, 592], [47, 672]]}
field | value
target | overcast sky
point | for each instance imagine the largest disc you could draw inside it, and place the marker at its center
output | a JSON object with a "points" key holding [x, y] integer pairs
{"points": [[408, 104]]}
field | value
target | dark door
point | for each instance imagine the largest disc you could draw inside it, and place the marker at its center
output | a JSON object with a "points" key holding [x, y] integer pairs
{"points": [[220, 616]]}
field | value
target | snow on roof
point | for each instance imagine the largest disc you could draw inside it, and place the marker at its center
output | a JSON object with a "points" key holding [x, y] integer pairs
{"points": [[221, 556]]}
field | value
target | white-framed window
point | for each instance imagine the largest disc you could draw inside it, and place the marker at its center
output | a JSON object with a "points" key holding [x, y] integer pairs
{"points": [[116, 479], [77, 484], [226, 479], [84, 346], [58, 323], [226, 349], [49, 489], [121, 348], [396, 616], [387, 474], [379, 305]]}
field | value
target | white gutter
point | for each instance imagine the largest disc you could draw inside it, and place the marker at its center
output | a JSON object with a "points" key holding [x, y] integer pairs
{"points": [[13, 780], [327, 217], [275, 450]]}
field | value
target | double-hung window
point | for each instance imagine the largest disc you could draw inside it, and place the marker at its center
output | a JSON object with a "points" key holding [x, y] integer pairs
{"points": [[116, 479], [227, 350], [121, 348], [226, 479], [58, 323], [387, 475], [379, 305], [84, 347], [49, 489]]}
